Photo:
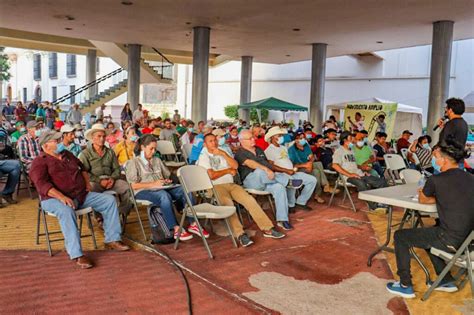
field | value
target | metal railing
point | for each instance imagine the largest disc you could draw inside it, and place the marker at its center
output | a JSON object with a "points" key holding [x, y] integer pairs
{"points": [[95, 89], [164, 67]]}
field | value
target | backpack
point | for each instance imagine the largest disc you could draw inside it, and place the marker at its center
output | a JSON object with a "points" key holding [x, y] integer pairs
{"points": [[160, 233]]}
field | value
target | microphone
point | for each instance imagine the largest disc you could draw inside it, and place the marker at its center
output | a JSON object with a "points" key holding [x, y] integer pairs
{"points": [[445, 118]]}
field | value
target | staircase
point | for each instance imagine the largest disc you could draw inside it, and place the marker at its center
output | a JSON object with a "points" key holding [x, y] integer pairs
{"points": [[98, 92]]}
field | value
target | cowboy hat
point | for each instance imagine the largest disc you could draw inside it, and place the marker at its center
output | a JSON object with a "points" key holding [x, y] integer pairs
{"points": [[273, 132], [95, 127]]}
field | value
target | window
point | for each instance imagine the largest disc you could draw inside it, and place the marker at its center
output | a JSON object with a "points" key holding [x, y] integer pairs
{"points": [[72, 88], [53, 65], [97, 64], [25, 95], [54, 93], [71, 65], [37, 67]]}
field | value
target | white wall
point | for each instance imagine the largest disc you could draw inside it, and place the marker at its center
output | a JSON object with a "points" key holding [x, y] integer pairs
{"points": [[402, 76]]}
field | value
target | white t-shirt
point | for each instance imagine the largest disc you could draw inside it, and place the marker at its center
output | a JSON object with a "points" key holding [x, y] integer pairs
{"points": [[216, 163], [99, 113], [137, 115], [279, 156], [346, 159]]}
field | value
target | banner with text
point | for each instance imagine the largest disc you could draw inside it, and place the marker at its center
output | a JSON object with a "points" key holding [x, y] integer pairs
{"points": [[373, 117]]}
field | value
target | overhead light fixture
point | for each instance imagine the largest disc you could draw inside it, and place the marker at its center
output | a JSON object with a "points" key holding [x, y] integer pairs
{"points": [[379, 42], [213, 47], [188, 23], [69, 18], [68, 28], [296, 30], [288, 55], [126, 2]]}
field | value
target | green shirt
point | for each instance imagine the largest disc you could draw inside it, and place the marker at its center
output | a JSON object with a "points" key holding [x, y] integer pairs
{"points": [[96, 166], [16, 135], [362, 154], [181, 130]]}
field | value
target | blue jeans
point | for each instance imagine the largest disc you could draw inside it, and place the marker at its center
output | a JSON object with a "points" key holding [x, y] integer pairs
{"points": [[309, 184], [12, 169], [164, 199], [259, 180], [102, 203]]}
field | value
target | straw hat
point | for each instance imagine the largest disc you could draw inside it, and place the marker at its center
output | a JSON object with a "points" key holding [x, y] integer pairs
{"points": [[95, 127], [273, 132]]}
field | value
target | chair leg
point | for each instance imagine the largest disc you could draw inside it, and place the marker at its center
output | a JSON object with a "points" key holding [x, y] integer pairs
{"points": [[272, 206], [38, 225], [469, 271], [141, 223], [333, 193], [91, 228], [206, 245], [230, 232], [46, 233], [348, 192], [81, 218], [180, 229]]}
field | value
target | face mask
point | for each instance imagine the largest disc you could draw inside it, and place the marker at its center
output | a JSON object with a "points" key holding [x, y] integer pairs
{"points": [[234, 137], [37, 133], [221, 141], [309, 136], [78, 134], [351, 146], [302, 142], [435, 166], [360, 144], [191, 129], [426, 146], [23, 129], [281, 140], [134, 138], [366, 140], [60, 148]]}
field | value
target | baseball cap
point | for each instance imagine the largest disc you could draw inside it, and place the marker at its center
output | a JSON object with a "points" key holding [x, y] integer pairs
{"points": [[407, 131], [32, 124], [49, 135], [67, 128]]}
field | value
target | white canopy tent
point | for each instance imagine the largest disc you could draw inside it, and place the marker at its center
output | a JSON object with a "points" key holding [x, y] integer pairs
{"points": [[408, 117]]}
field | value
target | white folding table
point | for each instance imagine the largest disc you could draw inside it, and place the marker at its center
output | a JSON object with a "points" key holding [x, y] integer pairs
{"points": [[404, 196]]}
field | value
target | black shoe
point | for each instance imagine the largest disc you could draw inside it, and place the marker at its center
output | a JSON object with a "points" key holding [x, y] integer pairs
{"points": [[245, 240], [9, 199], [304, 207]]}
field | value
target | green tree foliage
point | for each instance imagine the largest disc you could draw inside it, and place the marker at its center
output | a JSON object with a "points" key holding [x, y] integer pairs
{"points": [[4, 66], [232, 112]]}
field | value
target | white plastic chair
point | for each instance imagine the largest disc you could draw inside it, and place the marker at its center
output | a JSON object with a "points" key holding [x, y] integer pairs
{"points": [[167, 148], [463, 259], [340, 181], [410, 176], [186, 150], [193, 179], [404, 153], [394, 164]]}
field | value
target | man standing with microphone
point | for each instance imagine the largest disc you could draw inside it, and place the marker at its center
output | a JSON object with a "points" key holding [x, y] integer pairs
{"points": [[455, 128]]}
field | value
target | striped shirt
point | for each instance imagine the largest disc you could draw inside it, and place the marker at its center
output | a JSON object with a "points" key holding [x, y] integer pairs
{"points": [[28, 149], [424, 155]]}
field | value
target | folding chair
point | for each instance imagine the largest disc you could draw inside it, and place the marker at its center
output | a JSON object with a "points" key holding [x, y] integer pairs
{"points": [[404, 153], [463, 259], [394, 164], [135, 203], [340, 181], [26, 180], [186, 151], [410, 176], [166, 148], [195, 179], [42, 214], [262, 193]]}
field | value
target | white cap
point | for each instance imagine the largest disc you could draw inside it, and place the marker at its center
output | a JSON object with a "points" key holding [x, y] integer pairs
{"points": [[67, 128]]}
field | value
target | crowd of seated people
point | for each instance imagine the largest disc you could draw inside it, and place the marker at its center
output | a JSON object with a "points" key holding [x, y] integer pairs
{"points": [[71, 168]]}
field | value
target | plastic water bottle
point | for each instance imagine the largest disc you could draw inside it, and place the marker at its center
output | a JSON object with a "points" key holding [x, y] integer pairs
{"points": [[421, 182]]}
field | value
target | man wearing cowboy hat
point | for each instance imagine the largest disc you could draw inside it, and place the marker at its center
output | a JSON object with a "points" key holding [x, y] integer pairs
{"points": [[277, 154], [68, 140], [63, 186], [103, 167]]}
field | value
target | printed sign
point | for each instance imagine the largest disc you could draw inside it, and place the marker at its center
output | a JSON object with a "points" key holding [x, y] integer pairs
{"points": [[373, 117]]}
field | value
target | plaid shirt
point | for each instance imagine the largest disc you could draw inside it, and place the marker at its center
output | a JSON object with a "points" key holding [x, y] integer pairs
{"points": [[28, 148]]}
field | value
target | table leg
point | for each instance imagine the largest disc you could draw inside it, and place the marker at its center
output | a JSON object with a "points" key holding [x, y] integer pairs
{"points": [[387, 239]]}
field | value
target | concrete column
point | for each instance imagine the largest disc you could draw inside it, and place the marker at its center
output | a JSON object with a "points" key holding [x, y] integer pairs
{"points": [[318, 80], [246, 87], [440, 73], [200, 73], [91, 71], [133, 93]]}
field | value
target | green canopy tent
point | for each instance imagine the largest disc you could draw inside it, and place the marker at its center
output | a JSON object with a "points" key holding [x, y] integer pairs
{"points": [[272, 103]]}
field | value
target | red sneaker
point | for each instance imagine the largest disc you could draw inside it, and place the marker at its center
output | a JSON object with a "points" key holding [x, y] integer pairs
{"points": [[185, 236], [195, 230]]}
